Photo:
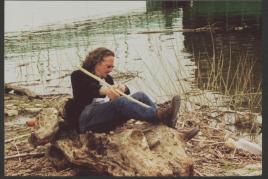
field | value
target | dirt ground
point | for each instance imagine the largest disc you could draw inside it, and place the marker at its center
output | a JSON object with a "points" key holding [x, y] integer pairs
{"points": [[212, 157]]}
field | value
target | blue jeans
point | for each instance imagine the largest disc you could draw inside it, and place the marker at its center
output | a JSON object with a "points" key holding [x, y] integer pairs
{"points": [[107, 116]]}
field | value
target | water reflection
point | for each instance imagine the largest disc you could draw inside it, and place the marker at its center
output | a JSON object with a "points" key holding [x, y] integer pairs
{"points": [[233, 51], [166, 62]]}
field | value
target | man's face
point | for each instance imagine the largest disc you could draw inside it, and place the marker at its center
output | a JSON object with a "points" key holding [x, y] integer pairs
{"points": [[103, 68]]}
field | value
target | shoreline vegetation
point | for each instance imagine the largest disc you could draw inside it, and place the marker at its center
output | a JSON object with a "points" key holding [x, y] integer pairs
{"points": [[232, 76], [230, 137], [215, 151]]}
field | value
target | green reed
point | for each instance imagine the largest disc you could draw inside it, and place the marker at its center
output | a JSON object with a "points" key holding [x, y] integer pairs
{"points": [[237, 82], [232, 76]]}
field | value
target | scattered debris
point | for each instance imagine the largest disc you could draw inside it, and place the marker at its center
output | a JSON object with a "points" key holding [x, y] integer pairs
{"points": [[212, 151], [20, 91], [11, 112], [25, 155]]}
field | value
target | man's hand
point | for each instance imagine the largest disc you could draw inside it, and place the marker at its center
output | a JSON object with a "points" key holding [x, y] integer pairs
{"points": [[120, 87], [110, 92]]}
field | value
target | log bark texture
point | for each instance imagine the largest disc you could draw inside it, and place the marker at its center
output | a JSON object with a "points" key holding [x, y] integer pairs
{"points": [[20, 91], [134, 149], [142, 150]]}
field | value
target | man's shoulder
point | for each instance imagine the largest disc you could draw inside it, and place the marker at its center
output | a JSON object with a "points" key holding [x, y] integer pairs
{"points": [[78, 74]]}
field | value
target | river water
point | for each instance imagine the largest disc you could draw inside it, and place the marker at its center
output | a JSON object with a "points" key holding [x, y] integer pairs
{"points": [[155, 50]]}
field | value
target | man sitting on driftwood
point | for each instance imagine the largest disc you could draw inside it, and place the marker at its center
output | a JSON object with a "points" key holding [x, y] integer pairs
{"points": [[101, 108]]}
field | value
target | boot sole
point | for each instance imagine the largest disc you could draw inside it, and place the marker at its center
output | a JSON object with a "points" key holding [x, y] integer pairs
{"points": [[176, 101]]}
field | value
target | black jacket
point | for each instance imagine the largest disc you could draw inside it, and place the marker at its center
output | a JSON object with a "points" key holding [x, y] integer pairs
{"points": [[85, 88]]}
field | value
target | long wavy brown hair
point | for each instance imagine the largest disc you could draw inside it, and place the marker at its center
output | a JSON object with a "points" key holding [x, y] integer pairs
{"points": [[96, 56]]}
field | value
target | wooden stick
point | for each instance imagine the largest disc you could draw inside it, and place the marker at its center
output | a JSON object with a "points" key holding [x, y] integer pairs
{"points": [[175, 30], [20, 90], [18, 137], [107, 84], [25, 154], [17, 150], [199, 173]]}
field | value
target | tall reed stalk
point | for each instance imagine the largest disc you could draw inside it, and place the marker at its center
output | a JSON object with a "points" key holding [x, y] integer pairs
{"points": [[237, 82]]}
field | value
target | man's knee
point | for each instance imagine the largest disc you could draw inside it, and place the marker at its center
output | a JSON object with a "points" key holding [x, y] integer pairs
{"points": [[139, 94], [120, 101]]}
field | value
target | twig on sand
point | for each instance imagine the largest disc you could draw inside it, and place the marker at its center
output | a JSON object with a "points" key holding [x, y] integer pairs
{"points": [[16, 149], [17, 137], [199, 173], [36, 154], [20, 91]]}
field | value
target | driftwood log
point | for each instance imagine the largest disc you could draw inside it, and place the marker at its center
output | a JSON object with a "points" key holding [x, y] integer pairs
{"points": [[20, 91], [134, 149]]}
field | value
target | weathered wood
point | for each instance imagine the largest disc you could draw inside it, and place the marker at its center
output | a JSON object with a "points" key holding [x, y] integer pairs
{"points": [[61, 103], [201, 29], [57, 157], [134, 149], [39, 154], [20, 91], [48, 124], [15, 138], [49, 120]]}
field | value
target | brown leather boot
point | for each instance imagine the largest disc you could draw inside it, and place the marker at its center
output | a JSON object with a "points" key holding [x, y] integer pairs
{"points": [[188, 134], [168, 115]]}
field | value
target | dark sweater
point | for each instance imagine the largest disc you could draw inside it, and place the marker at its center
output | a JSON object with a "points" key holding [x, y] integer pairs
{"points": [[85, 89]]}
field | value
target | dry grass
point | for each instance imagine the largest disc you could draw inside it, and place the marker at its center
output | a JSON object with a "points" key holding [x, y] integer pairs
{"points": [[211, 156]]}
